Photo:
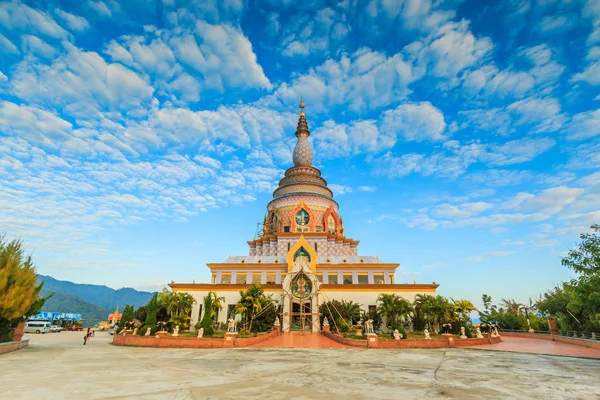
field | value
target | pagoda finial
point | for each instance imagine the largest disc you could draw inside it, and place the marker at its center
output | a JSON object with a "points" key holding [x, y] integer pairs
{"points": [[302, 152]]}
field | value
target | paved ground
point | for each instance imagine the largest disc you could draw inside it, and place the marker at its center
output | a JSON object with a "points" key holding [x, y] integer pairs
{"points": [[57, 366], [301, 340], [525, 345]]}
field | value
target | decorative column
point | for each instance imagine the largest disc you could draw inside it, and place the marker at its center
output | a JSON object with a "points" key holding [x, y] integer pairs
{"points": [[285, 318]]}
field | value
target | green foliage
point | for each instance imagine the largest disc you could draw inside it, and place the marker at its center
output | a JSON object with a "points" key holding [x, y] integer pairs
{"points": [[178, 306], [373, 315], [257, 309], [144, 328], [576, 304], [19, 291], [400, 330], [151, 311], [337, 314], [140, 313], [206, 322], [127, 316], [394, 309], [432, 311], [512, 315]]}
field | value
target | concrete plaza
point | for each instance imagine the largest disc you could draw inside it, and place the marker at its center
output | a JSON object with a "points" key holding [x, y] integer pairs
{"points": [[58, 366]]}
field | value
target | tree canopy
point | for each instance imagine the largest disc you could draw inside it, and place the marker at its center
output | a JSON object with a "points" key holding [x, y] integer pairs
{"points": [[19, 290], [576, 304]]}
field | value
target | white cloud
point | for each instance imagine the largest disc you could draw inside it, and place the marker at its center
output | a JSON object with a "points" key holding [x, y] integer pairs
{"points": [[450, 50], [18, 17], [464, 210], [34, 45], [364, 80], [100, 7], [81, 84], [6, 46], [516, 151], [74, 22], [584, 125], [222, 54], [339, 190], [488, 255], [367, 188], [415, 122]]}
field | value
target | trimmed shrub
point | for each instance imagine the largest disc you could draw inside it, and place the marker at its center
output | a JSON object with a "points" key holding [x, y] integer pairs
{"points": [[142, 331]]}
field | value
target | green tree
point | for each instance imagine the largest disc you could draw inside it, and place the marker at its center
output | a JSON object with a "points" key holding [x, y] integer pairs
{"points": [[254, 307], [206, 322], [151, 311], [394, 309], [585, 288], [332, 310], [140, 314], [217, 305], [178, 305], [19, 290], [128, 315], [463, 309]]}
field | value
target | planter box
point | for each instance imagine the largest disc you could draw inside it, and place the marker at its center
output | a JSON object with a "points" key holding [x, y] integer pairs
{"points": [[18, 333]]}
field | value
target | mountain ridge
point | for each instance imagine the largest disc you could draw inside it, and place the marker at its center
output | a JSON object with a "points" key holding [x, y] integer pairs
{"points": [[94, 302]]}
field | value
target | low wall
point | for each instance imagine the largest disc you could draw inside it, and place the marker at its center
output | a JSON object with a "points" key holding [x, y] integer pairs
{"points": [[443, 342], [542, 336], [593, 344], [188, 342], [346, 341], [13, 346]]}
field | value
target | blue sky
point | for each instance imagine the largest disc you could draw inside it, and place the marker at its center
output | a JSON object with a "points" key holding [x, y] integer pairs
{"points": [[140, 140]]}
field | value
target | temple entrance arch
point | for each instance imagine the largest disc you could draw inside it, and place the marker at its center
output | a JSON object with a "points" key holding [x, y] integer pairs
{"points": [[300, 290]]}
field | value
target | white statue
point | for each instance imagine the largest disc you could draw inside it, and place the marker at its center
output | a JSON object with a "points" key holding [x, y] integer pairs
{"points": [[231, 325], [200, 333], [276, 322], [325, 322], [148, 331], [427, 336], [124, 331], [176, 330], [462, 333], [478, 333], [494, 332], [397, 335], [135, 331], [301, 263], [369, 327]]}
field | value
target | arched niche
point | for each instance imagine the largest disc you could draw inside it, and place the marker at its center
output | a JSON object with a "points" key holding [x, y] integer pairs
{"points": [[302, 210], [330, 215], [295, 250]]}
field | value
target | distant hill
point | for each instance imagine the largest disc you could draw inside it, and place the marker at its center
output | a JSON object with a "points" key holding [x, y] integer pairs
{"points": [[68, 303], [95, 295]]}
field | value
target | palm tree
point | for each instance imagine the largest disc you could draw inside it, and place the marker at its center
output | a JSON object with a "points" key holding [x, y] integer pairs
{"points": [[252, 303], [216, 304], [393, 308], [463, 309], [511, 306], [350, 311]]}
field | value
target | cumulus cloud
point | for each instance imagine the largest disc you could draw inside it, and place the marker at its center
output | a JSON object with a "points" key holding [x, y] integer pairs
{"points": [[78, 81], [18, 17], [415, 122], [363, 80]]}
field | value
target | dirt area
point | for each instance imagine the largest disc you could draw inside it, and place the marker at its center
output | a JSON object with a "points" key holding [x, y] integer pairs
{"points": [[58, 366]]}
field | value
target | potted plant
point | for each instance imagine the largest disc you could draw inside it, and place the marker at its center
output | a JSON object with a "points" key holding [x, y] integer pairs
{"points": [[446, 329]]}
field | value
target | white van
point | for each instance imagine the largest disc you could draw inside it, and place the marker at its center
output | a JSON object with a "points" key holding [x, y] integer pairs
{"points": [[37, 327]]}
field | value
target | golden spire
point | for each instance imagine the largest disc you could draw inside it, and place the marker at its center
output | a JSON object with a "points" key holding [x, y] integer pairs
{"points": [[301, 106]]}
